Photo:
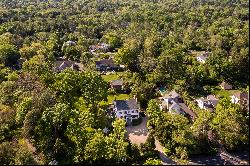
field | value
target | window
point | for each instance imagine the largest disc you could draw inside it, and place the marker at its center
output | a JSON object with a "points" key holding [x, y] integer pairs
{"points": [[125, 112], [120, 112], [136, 111], [132, 111]]}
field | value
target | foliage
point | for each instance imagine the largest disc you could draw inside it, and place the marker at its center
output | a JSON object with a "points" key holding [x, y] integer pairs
{"points": [[151, 161], [230, 123]]}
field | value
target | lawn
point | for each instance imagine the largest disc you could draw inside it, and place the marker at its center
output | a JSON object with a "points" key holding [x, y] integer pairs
{"points": [[117, 97], [223, 93], [112, 76]]}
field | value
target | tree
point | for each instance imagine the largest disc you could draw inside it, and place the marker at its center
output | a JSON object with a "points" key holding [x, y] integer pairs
{"points": [[24, 155], [116, 150], [71, 52], [151, 161], [8, 55], [112, 39], [201, 125], [7, 153], [96, 148], [230, 124], [173, 132], [128, 54], [28, 52], [154, 113], [72, 85]]}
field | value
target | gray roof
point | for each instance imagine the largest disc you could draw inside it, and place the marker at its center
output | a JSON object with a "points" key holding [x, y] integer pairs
{"points": [[214, 101], [106, 62], [202, 57], [117, 82], [61, 65], [126, 104]]}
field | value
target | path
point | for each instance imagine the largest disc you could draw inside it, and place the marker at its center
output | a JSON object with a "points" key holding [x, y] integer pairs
{"points": [[138, 134]]}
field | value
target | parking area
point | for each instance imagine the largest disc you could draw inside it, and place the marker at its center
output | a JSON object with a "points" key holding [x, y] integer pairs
{"points": [[138, 134]]}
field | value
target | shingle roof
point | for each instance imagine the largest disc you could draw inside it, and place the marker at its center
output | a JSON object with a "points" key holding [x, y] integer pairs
{"points": [[213, 100], [187, 110], [126, 104], [117, 82], [108, 62]]}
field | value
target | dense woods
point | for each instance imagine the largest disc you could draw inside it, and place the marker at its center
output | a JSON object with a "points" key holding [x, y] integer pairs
{"points": [[46, 116]]}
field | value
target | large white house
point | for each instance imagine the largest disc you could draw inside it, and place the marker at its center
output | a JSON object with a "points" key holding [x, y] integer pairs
{"points": [[126, 109]]}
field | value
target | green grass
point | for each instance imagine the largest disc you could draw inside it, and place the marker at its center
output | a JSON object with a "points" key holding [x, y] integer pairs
{"points": [[111, 77], [118, 97], [111, 98], [220, 93]]}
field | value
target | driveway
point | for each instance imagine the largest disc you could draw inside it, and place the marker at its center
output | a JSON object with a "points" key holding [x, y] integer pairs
{"points": [[138, 134]]}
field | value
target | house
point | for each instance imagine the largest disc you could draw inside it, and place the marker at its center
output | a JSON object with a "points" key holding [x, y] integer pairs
{"points": [[225, 86], [105, 64], [208, 103], [116, 84], [126, 109], [239, 97], [213, 100], [70, 43], [61, 65], [99, 47], [174, 104], [202, 58]]}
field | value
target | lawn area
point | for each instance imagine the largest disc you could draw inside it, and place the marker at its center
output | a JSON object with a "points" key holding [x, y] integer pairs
{"points": [[112, 76], [118, 97], [224, 93]]}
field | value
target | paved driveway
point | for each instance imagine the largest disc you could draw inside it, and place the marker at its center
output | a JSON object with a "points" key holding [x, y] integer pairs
{"points": [[138, 134]]}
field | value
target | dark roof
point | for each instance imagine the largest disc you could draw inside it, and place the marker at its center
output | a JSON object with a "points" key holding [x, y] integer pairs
{"points": [[107, 62], [116, 82], [187, 110], [126, 104]]}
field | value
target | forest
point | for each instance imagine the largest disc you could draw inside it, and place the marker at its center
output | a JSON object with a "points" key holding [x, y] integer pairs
{"points": [[58, 117]]}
